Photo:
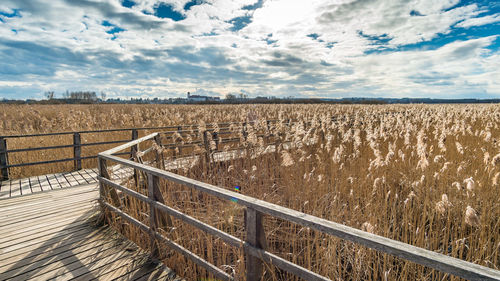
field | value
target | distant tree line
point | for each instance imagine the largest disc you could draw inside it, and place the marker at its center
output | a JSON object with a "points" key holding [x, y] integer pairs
{"points": [[90, 97], [83, 95]]}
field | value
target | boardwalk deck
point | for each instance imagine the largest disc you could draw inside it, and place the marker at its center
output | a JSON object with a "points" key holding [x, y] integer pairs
{"points": [[18, 187], [50, 235]]}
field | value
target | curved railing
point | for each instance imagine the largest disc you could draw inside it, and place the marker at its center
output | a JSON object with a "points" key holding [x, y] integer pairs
{"points": [[255, 209]]}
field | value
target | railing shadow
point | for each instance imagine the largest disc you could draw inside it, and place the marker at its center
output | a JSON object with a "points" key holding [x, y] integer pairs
{"points": [[80, 250]]}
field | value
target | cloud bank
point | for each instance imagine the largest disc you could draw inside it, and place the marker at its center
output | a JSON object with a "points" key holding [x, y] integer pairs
{"points": [[317, 48]]}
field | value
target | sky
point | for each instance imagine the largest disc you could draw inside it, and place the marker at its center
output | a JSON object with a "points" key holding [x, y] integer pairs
{"points": [[281, 48]]}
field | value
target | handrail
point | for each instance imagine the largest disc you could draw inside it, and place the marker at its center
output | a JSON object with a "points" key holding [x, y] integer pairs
{"points": [[255, 208], [130, 129], [77, 144]]}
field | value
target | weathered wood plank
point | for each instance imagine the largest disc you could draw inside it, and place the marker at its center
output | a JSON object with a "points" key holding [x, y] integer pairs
{"points": [[60, 267], [71, 180], [79, 179], [44, 236], [35, 263], [5, 192], [44, 183], [15, 187], [107, 265], [50, 227], [54, 183], [25, 186], [63, 181], [88, 176], [34, 184], [47, 246], [57, 211]]}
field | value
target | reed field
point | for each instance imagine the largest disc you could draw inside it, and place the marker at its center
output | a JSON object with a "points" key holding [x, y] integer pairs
{"points": [[426, 175]]}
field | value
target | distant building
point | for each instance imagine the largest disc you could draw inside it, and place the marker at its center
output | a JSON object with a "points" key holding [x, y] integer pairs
{"points": [[198, 98]]}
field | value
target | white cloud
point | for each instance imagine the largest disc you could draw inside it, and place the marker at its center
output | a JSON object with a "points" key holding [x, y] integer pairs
{"points": [[479, 21], [320, 48]]}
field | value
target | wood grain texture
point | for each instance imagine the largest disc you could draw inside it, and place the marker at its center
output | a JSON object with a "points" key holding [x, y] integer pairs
{"points": [[52, 235]]}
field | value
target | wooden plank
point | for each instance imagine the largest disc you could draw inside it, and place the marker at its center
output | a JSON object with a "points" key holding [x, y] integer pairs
{"points": [[71, 179], [79, 179], [20, 249], [34, 198], [129, 144], [32, 265], [63, 182], [25, 186], [5, 192], [12, 216], [47, 246], [110, 265], [256, 238], [87, 176], [44, 183], [53, 226], [15, 216], [68, 245], [54, 184], [31, 205], [137, 271], [158, 274], [92, 176], [55, 211], [220, 274], [44, 234], [34, 184], [61, 267], [81, 176], [38, 219], [15, 187]]}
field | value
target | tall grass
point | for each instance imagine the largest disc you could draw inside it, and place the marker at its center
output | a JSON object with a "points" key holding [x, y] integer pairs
{"points": [[424, 175]]}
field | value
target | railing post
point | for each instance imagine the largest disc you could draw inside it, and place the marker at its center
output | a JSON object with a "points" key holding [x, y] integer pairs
{"points": [[134, 148], [156, 219], [159, 154], [207, 147], [257, 238], [77, 151], [152, 181], [215, 138], [103, 191], [244, 131], [4, 159], [103, 172], [179, 131]]}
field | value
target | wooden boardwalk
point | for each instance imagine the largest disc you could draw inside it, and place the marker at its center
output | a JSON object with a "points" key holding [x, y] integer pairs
{"points": [[35, 184], [19, 187], [52, 236]]}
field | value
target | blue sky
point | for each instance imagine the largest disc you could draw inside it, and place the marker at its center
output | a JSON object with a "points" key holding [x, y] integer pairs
{"points": [[315, 48]]}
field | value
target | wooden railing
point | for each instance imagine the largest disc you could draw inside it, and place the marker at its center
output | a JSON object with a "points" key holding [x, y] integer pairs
{"points": [[255, 209], [77, 144]]}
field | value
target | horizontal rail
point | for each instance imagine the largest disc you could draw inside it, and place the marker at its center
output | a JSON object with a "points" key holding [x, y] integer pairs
{"points": [[130, 144], [89, 132], [38, 148], [415, 254], [128, 129], [103, 142], [228, 238], [55, 161], [193, 257], [63, 146]]}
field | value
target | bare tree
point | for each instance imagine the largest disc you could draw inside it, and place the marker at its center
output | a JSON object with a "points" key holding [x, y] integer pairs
{"points": [[49, 95]]}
